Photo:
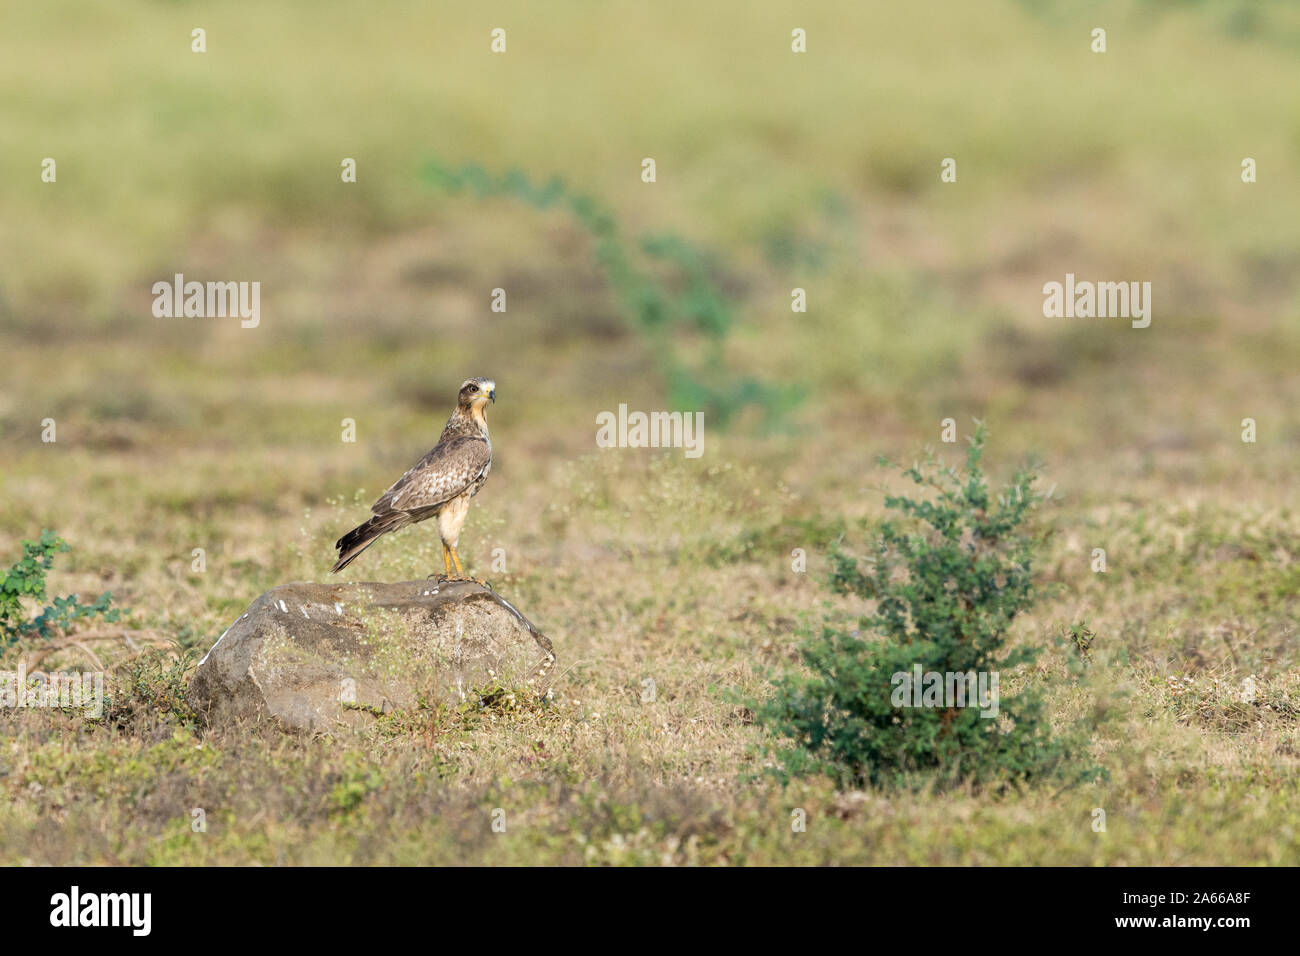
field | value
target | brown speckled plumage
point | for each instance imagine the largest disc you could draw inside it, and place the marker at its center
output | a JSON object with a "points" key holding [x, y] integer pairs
{"points": [[440, 484]]}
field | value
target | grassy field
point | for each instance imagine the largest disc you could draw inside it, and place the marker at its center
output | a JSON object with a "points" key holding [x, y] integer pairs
{"points": [[817, 171]]}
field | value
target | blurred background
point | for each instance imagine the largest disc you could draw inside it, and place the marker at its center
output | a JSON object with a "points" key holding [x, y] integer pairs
{"points": [[775, 170]]}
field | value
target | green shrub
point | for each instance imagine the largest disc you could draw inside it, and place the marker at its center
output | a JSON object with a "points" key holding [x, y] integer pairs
{"points": [[664, 283], [26, 579], [150, 694], [947, 577]]}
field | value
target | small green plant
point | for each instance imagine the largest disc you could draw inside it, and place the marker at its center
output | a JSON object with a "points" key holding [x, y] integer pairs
{"points": [[947, 577], [432, 717], [1081, 637], [26, 579], [153, 690], [354, 785]]}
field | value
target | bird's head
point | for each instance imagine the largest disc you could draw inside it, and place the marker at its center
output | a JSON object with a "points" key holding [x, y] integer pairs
{"points": [[476, 393]]}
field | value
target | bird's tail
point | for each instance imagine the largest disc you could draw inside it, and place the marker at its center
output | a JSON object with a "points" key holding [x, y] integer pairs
{"points": [[363, 536]]}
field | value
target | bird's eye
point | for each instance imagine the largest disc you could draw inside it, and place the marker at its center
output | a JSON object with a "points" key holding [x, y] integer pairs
{"points": [[473, 388]]}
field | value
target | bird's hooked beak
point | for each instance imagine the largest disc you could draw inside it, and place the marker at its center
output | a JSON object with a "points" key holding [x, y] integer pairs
{"points": [[484, 392]]}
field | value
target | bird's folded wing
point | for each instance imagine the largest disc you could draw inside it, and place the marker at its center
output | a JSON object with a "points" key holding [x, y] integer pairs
{"points": [[445, 472]]}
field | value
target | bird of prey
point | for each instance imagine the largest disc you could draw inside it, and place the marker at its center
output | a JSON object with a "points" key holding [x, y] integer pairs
{"points": [[440, 485]]}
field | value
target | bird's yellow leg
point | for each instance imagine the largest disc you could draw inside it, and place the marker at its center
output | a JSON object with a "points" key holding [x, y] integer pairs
{"points": [[460, 571], [446, 563]]}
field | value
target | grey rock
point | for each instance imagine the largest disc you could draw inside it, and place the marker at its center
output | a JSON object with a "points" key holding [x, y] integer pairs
{"points": [[323, 657]]}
